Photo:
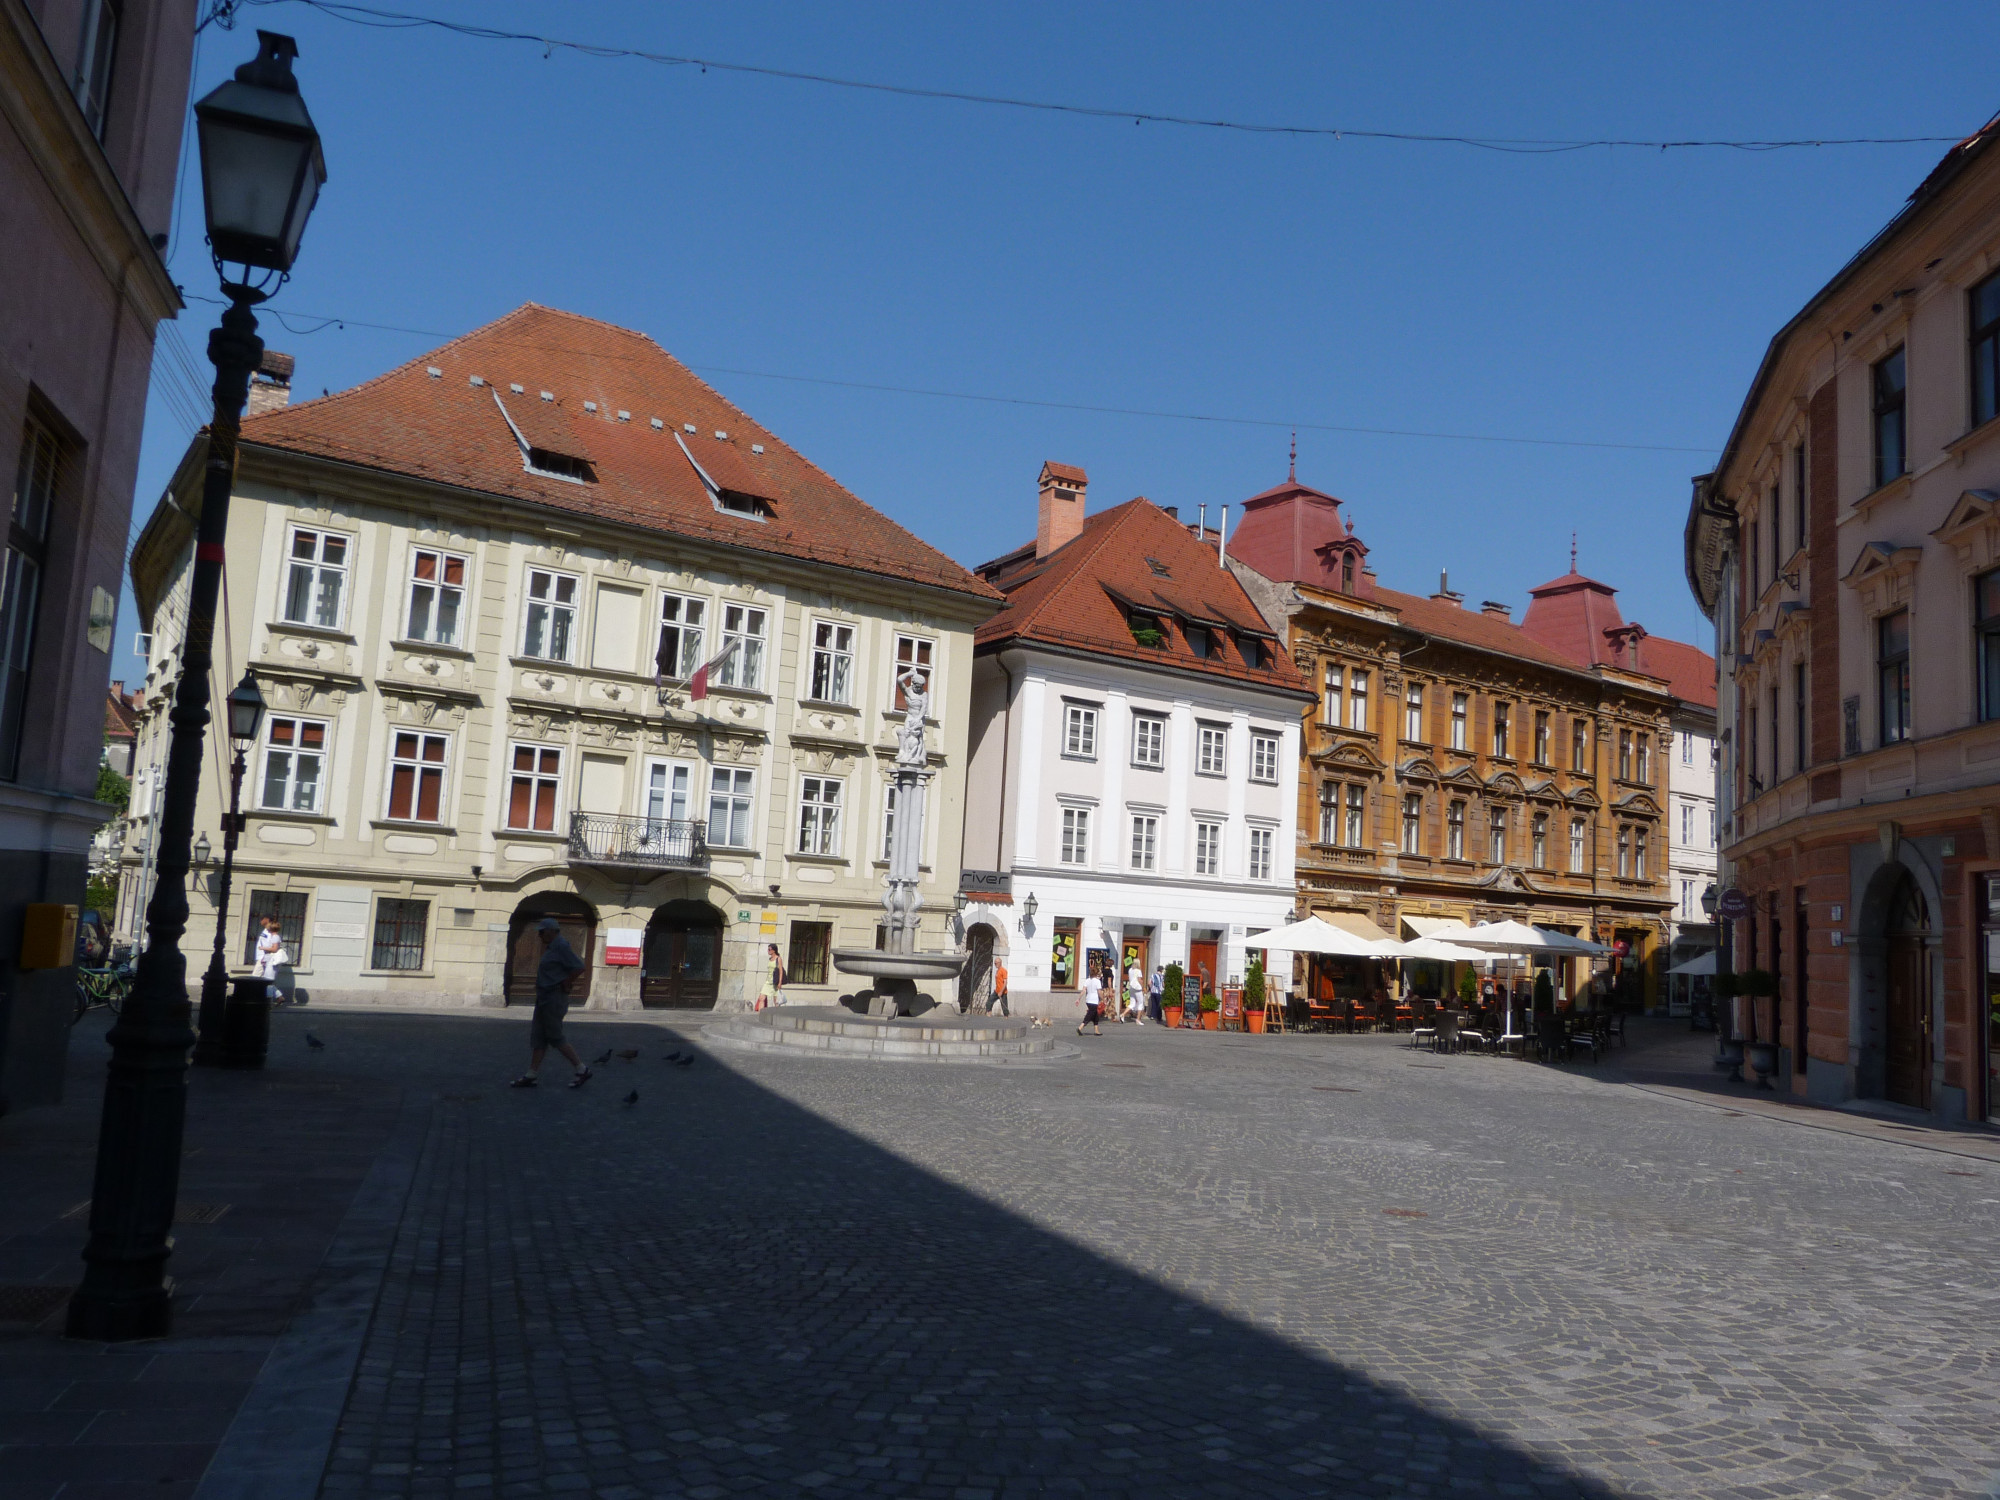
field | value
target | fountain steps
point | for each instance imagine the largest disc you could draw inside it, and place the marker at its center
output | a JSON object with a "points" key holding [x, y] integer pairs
{"points": [[833, 1031]]}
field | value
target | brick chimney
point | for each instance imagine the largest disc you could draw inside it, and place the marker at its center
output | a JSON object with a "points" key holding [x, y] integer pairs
{"points": [[1496, 610], [1444, 594], [271, 386], [1061, 517]]}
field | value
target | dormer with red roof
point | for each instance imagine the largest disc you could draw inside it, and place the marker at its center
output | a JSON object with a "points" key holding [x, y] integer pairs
{"points": [[1296, 534]]}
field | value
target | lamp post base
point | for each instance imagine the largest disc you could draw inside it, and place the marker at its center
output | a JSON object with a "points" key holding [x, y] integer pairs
{"points": [[147, 1312]]}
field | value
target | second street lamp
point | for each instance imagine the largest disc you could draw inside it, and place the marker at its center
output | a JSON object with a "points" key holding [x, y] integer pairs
{"points": [[261, 172], [246, 715]]}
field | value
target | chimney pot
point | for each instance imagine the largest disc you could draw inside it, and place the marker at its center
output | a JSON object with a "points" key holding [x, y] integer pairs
{"points": [[1060, 519], [271, 386], [1496, 609]]}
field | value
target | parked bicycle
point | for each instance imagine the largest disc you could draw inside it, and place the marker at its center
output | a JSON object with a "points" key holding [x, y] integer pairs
{"points": [[106, 986]]}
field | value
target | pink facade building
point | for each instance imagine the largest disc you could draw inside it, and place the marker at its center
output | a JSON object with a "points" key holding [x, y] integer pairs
{"points": [[92, 97]]}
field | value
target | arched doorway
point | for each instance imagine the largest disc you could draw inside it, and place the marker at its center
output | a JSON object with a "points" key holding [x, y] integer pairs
{"points": [[1906, 1014], [683, 957], [524, 948], [975, 980]]}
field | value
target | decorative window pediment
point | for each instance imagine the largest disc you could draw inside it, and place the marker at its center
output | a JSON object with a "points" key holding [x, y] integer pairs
{"points": [[1972, 530], [1418, 767], [1582, 796], [1884, 576], [1638, 803], [1794, 619], [1351, 754], [1463, 776], [1504, 784]]}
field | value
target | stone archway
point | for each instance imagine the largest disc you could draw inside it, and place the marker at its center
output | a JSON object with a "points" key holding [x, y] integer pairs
{"points": [[1899, 938], [985, 945], [524, 948], [682, 957]]}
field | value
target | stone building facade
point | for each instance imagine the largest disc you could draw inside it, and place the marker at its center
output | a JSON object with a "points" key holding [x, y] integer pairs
{"points": [[1454, 766], [1848, 547], [477, 593], [92, 95]]}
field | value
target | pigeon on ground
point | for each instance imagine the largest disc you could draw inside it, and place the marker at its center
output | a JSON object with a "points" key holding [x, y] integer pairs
{"points": [[601, 1061], [631, 1099], [686, 1062], [314, 1042], [629, 1053], [671, 1057]]}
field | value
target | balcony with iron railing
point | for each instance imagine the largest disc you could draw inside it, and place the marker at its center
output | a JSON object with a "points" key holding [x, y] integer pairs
{"points": [[615, 841]]}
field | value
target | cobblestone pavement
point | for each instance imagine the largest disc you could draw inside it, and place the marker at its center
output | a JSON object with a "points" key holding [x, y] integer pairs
{"points": [[1183, 1265]]}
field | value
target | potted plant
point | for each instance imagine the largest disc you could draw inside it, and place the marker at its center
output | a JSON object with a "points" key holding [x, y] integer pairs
{"points": [[1468, 986], [1211, 1013], [1170, 996], [1253, 996]]}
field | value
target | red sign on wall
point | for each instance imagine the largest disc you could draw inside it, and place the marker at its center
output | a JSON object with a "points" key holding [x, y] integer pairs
{"points": [[621, 947]]}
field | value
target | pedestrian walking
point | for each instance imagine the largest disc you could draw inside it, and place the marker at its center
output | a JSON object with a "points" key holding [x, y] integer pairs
{"points": [[1135, 993], [545, 1027], [999, 995], [773, 992], [271, 954], [1156, 994], [1093, 1004]]}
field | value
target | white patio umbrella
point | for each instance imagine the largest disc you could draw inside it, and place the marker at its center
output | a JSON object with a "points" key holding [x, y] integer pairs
{"points": [[1701, 964], [1519, 937], [1317, 935]]}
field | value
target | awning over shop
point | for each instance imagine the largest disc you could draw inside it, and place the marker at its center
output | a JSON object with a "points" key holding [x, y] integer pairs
{"points": [[1423, 927], [1356, 923]]}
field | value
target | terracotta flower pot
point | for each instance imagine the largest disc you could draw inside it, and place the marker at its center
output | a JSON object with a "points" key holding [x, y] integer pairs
{"points": [[1256, 1019], [1211, 1020], [1174, 1015]]}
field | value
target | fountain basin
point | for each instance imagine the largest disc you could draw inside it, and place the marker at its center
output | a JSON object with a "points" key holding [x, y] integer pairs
{"points": [[833, 1031], [879, 965]]}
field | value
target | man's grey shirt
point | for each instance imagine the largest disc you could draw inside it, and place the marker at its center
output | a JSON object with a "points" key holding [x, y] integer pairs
{"points": [[559, 961]]}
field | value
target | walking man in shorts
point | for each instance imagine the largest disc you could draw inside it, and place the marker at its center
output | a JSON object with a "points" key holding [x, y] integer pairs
{"points": [[545, 1030]]}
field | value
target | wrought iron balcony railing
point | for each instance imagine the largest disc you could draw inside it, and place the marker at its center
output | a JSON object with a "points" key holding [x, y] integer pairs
{"points": [[642, 843]]}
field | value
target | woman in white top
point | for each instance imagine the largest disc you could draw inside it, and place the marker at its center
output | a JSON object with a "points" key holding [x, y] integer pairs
{"points": [[271, 954], [1135, 993]]}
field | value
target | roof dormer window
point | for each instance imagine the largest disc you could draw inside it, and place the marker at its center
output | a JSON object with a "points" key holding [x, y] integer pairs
{"points": [[553, 465], [742, 505]]}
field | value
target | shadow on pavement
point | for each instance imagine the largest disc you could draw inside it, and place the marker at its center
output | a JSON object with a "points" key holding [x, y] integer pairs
{"points": [[719, 1292]]}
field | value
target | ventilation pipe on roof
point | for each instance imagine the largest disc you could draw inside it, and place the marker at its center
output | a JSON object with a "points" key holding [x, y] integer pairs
{"points": [[1201, 521], [1222, 540]]}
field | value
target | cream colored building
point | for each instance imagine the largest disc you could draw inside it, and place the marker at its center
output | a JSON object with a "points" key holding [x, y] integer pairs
{"points": [[456, 584]]}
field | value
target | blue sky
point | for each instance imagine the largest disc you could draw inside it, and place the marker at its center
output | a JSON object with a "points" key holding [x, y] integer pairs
{"points": [[793, 229]]}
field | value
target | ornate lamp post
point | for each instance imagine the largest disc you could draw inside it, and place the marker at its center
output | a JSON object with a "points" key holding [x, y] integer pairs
{"points": [[246, 716], [261, 172]]}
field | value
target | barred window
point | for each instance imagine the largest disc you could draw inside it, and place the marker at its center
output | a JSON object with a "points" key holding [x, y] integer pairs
{"points": [[400, 929], [807, 953], [289, 907]]}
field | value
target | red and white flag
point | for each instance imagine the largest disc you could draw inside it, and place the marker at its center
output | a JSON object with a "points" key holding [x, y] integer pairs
{"points": [[698, 684]]}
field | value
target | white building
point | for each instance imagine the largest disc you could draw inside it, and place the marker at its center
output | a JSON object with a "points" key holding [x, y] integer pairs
{"points": [[1691, 843], [1132, 790]]}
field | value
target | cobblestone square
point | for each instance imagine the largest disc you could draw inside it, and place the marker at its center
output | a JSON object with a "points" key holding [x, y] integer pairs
{"points": [[1181, 1265]]}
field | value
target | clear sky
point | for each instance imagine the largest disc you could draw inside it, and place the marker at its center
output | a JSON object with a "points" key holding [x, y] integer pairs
{"points": [[792, 229]]}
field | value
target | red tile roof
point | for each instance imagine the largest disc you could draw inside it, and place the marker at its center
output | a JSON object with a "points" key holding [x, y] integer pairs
{"points": [[450, 431], [1078, 597], [121, 721], [1468, 627], [1068, 473], [1571, 614]]}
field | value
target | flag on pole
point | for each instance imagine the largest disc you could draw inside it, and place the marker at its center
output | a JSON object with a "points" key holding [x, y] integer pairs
{"points": [[698, 684]]}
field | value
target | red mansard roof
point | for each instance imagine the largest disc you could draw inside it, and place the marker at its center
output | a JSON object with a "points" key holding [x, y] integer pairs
{"points": [[446, 429], [1079, 597]]}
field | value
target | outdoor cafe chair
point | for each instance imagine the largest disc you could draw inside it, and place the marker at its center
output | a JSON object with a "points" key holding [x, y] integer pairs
{"points": [[1588, 1038]]}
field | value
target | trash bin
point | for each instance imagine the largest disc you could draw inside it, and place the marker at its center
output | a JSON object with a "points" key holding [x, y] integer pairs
{"points": [[246, 1023]]}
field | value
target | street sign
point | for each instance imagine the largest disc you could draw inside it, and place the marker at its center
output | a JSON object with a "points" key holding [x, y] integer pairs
{"points": [[1732, 905]]}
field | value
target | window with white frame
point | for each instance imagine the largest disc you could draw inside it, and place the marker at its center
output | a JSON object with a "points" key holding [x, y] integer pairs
{"points": [[1145, 841], [1687, 747], [1687, 900], [1687, 822], [819, 815], [729, 808], [1262, 842], [1624, 853], [1624, 755], [669, 791], [1076, 835], [294, 763], [1413, 823], [1711, 828], [548, 629], [832, 662], [913, 654], [437, 597], [1502, 726], [1330, 697], [1458, 710], [1212, 757], [889, 823], [1329, 811], [1642, 754], [1576, 846], [1413, 714], [1207, 848], [1149, 741], [417, 764], [1264, 758], [1539, 840], [1579, 745], [1357, 815], [1080, 731], [1357, 700], [1454, 831], [1541, 737], [1496, 836], [683, 631], [1639, 854], [533, 785], [316, 578], [743, 630]]}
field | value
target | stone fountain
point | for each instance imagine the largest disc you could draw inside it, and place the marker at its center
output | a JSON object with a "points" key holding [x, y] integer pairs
{"points": [[878, 1022], [897, 966]]}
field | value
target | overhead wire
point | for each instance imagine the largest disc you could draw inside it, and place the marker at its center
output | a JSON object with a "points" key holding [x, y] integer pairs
{"points": [[342, 322], [365, 15]]}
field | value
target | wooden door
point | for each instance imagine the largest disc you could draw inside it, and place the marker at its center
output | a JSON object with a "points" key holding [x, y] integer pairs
{"points": [[524, 956], [681, 966], [975, 985], [1133, 952], [1906, 1022], [1202, 962]]}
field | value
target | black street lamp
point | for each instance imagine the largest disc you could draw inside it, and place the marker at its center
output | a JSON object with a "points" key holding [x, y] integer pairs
{"points": [[261, 172], [1708, 902], [246, 715]]}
